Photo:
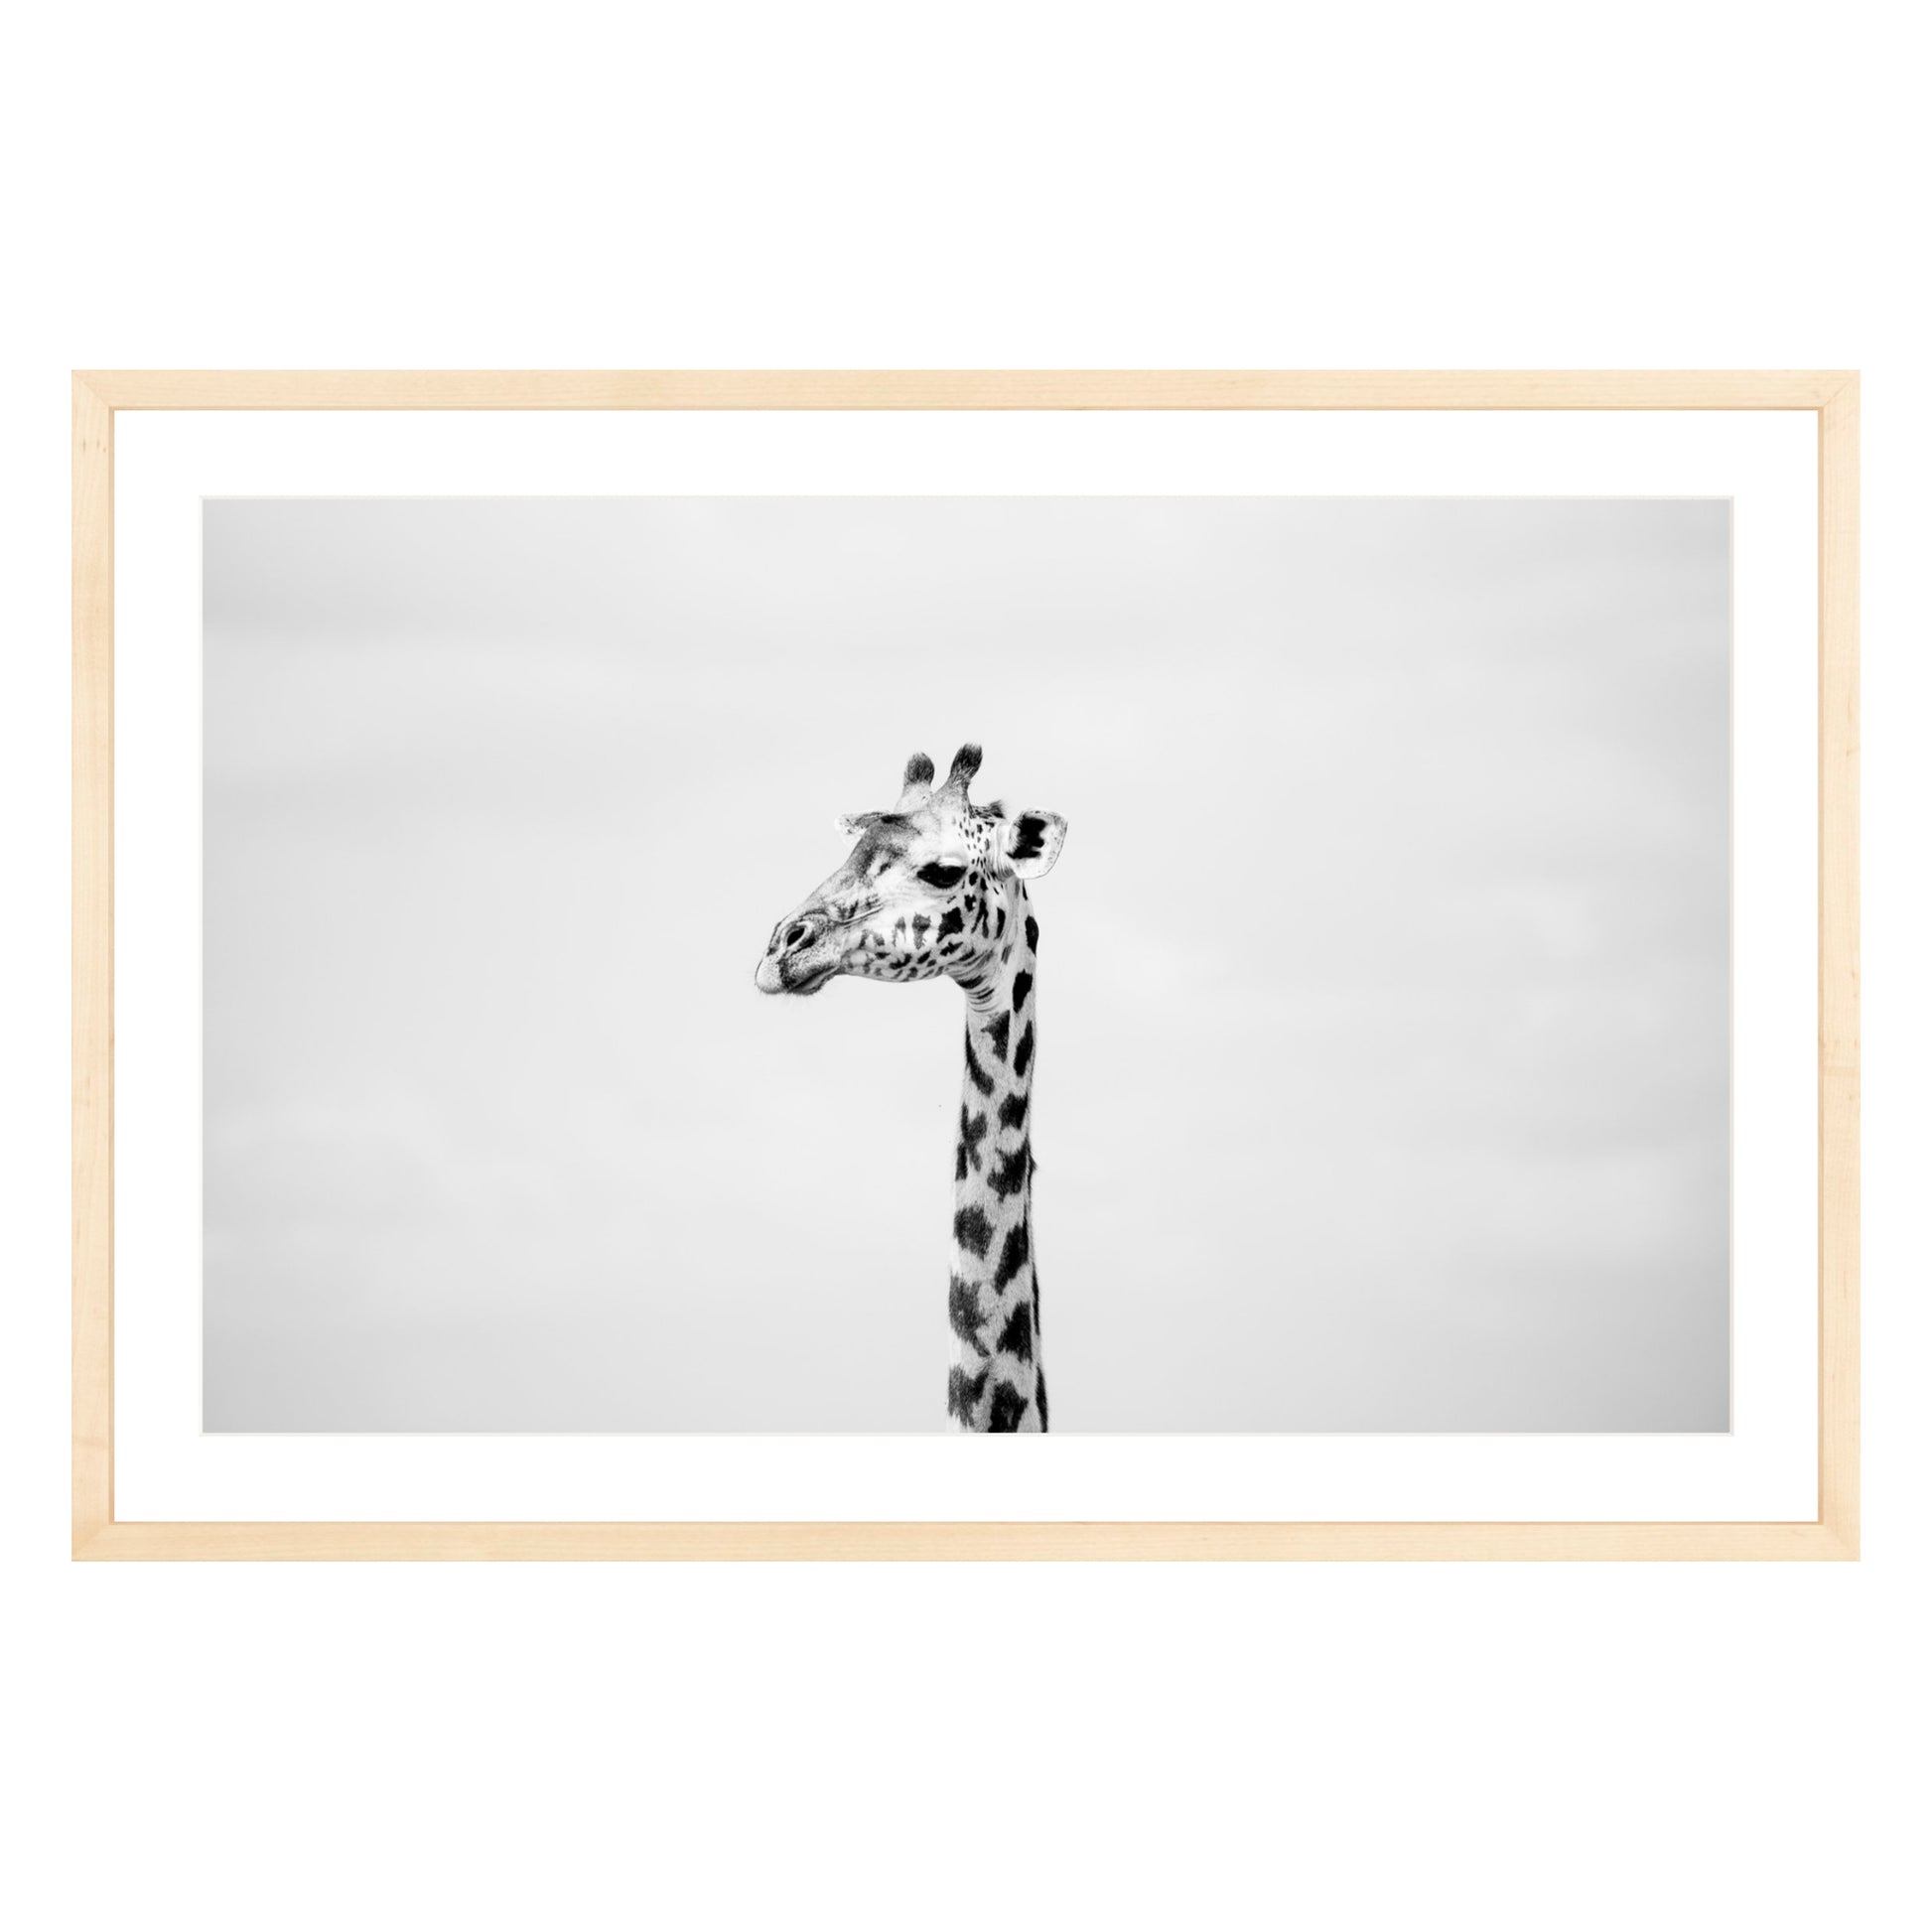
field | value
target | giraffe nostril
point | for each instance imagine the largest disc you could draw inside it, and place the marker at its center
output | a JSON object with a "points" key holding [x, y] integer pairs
{"points": [[796, 933]]}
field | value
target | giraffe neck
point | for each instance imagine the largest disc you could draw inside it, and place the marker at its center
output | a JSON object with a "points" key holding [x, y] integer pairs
{"points": [[996, 1382]]}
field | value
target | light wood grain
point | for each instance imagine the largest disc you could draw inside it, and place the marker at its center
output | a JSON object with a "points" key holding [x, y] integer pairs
{"points": [[1833, 394], [969, 1542], [1050, 389], [1838, 963], [92, 938]]}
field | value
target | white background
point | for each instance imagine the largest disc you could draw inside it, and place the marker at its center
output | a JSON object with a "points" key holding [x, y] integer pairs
{"points": [[1765, 1469], [1682, 186]]}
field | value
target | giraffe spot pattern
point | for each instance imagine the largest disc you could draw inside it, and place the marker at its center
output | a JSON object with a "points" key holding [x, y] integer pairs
{"points": [[971, 1133], [975, 1073], [963, 1393], [963, 1311], [1017, 1338], [1007, 1412], [1012, 1171], [1012, 1256], [973, 1231]]}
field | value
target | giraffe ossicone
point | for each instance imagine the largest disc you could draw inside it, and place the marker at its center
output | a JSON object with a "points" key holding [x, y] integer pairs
{"points": [[936, 887]]}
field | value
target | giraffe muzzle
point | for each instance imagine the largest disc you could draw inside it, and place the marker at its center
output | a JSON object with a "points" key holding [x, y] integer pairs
{"points": [[795, 960]]}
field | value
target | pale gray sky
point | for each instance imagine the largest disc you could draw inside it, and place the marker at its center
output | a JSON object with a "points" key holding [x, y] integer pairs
{"points": [[1384, 984]]}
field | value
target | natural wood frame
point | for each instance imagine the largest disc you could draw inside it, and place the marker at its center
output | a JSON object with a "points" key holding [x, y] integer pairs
{"points": [[1831, 395]]}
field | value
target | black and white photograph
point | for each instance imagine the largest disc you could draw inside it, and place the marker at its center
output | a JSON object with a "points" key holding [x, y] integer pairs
{"points": [[855, 965]]}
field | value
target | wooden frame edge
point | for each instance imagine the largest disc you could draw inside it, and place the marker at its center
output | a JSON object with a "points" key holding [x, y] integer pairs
{"points": [[1425, 390], [99, 396], [1127, 1541], [1839, 1044], [92, 966]]}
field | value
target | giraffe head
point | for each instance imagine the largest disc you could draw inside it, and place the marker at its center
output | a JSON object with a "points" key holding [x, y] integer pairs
{"points": [[931, 887]]}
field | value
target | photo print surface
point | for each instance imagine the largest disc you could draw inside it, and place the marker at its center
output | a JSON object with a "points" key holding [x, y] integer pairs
{"points": [[858, 964]]}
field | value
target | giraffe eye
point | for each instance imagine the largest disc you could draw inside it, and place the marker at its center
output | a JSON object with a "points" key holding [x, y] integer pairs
{"points": [[943, 877]]}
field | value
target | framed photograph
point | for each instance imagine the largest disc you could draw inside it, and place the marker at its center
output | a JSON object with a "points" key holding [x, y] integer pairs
{"points": [[653, 950]]}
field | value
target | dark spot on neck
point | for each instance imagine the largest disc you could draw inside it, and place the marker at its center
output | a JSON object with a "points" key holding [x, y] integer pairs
{"points": [[1017, 1338], [1007, 1412], [1013, 1256], [963, 1392], [973, 1231], [963, 1310], [1010, 1173], [971, 1133]]}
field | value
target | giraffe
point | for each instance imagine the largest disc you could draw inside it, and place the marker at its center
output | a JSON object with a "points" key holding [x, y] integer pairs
{"points": [[937, 885]]}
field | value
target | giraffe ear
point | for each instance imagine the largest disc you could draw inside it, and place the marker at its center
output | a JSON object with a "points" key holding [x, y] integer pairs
{"points": [[853, 823], [1029, 842]]}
